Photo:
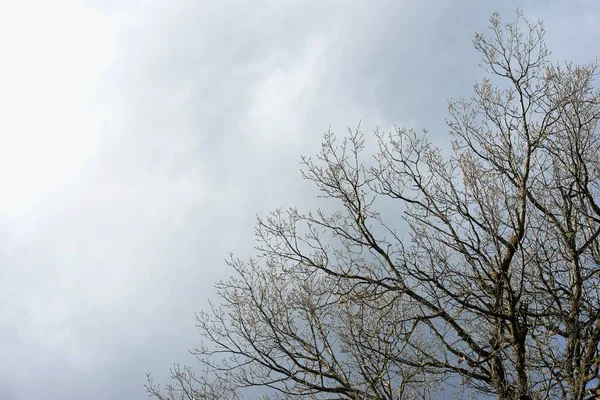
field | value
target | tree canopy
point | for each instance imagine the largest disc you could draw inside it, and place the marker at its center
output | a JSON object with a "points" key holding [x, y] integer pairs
{"points": [[485, 277]]}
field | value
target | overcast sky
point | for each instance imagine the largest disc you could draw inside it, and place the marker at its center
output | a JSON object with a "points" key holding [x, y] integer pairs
{"points": [[140, 139]]}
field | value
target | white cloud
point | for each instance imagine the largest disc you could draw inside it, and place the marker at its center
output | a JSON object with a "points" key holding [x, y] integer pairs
{"points": [[279, 101], [51, 75]]}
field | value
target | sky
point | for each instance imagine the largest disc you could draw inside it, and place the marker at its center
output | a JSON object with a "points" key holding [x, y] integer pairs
{"points": [[139, 140]]}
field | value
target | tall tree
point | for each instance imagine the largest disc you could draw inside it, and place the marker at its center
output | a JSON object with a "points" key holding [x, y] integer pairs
{"points": [[494, 283]]}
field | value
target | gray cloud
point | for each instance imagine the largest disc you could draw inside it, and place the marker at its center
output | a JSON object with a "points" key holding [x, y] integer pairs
{"points": [[192, 121]]}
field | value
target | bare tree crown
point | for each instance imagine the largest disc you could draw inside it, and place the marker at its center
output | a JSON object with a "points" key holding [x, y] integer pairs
{"points": [[492, 284]]}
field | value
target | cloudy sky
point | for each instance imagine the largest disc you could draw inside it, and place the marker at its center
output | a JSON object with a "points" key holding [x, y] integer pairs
{"points": [[140, 139]]}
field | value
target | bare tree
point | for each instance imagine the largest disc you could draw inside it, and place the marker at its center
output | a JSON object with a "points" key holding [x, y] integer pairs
{"points": [[493, 283]]}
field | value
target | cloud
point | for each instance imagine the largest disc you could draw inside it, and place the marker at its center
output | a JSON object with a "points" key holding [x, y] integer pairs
{"points": [[53, 59]]}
